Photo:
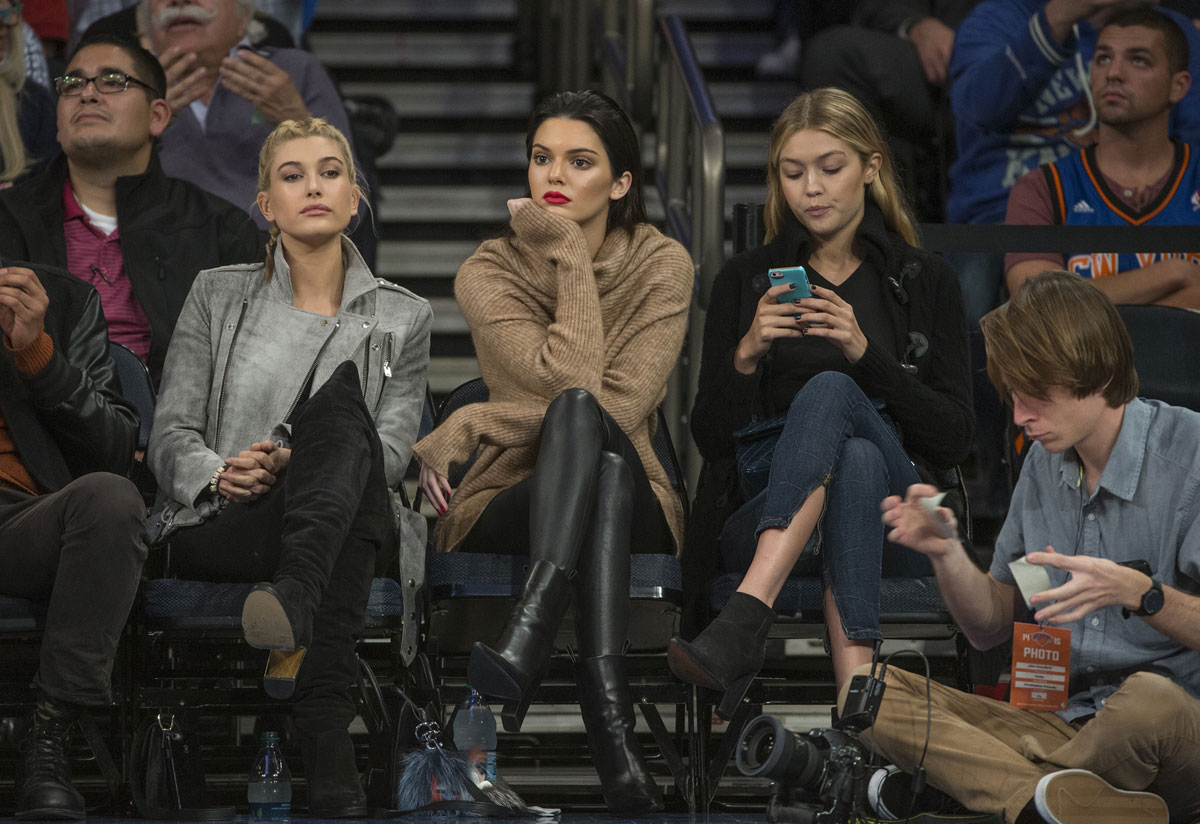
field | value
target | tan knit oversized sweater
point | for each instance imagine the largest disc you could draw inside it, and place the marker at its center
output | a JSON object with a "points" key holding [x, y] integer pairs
{"points": [[545, 318]]}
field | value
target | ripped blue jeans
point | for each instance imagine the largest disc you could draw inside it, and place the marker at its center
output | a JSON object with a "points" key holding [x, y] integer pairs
{"points": [[834, 436]]}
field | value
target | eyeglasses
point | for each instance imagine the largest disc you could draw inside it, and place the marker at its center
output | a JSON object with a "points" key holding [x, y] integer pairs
{"points": [[9, 16], [72, 85]]}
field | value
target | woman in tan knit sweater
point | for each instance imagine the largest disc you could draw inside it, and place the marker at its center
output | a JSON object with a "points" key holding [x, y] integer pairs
{"points": [[578, 314]]}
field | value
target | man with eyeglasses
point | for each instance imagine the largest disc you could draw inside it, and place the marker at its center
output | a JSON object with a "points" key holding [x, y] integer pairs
{"points": [[116, 220]]}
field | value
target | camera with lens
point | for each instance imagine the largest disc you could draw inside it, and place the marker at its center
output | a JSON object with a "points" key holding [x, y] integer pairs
{"points": [[818, 777]]}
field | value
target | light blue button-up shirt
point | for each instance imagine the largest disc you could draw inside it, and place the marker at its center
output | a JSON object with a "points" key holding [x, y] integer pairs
{"points": [[1146, 506]]}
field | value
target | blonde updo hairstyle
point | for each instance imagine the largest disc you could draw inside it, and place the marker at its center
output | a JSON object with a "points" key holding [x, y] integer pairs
{"points": [[837, 113], [295, 130]]}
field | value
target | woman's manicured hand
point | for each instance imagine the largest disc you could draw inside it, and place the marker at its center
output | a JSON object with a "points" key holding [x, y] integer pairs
{"points": [[772, 321], [436, 487], [837, 322]]}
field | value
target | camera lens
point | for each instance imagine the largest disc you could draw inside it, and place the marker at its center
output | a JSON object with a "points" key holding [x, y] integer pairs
{"points": [[765, 749], [768, 750]]}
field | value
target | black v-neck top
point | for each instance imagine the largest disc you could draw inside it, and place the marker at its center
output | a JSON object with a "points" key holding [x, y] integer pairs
{"points": [[796, 360]]}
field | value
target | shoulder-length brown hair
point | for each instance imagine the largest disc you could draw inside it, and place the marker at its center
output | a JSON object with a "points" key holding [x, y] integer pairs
{"points": [[1059, 330]]}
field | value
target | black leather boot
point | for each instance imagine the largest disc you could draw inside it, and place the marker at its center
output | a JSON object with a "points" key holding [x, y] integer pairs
{"points": [[521, 658], [728, 654], [47, 792], [334, 789], [607, 712]]}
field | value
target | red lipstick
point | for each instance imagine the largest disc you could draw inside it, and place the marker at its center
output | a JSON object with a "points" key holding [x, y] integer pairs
{"points": [[556, 198]]}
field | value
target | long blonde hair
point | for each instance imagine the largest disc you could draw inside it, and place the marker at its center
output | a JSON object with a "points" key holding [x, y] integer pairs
{"points": [[295, 130], [839, 114], [12, 80]]}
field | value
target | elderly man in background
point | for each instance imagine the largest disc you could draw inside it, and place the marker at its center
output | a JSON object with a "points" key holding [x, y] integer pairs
{"points": [[227, 96]]}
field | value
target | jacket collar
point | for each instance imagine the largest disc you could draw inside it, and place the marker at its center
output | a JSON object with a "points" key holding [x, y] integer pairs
{"points": [[877, 243], [359, 280], [150, 185]]}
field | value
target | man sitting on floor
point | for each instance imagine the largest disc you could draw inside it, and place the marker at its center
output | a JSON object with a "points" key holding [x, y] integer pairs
{"points": [[1111, 483]]}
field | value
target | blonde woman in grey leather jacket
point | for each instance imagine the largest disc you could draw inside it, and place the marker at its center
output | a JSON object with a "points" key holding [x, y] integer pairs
{"points": [[290, 400]]}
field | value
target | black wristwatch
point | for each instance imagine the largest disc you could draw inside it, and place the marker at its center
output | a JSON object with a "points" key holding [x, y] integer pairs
{"points": [[1152, 602]]}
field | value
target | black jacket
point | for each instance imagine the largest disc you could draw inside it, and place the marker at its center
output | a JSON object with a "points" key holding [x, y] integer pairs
{"points": [[928, 395], [169, 230], [69, 419]]}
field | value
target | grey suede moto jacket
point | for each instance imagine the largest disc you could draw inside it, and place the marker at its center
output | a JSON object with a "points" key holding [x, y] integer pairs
{"points": [[240, 356]]}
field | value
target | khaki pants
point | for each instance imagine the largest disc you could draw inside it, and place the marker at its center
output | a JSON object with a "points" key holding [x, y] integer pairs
{"points": [[989, 755]]}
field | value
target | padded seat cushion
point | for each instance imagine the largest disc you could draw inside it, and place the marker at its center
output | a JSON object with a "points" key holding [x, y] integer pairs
{"points": [[478, 575], [910, 600], [170, 603], [18, 614]]}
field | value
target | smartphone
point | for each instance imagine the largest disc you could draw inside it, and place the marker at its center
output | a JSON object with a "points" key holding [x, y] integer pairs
{"points": [[793, 274]]}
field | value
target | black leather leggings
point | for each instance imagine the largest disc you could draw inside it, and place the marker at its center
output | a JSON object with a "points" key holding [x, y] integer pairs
{"points": [[586, 507]]}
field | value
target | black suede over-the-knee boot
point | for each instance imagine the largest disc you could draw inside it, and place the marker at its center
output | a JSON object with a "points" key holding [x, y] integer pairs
{"points": [[602, 624], [333, 481]]}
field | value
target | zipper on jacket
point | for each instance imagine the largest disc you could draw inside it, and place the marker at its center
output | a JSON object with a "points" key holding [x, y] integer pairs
{"points": [[337, 324], [225, 375], [387, 354]]}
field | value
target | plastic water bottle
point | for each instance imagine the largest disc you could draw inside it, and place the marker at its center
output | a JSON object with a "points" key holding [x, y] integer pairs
{"points": [[475, 733], [270, 788]]}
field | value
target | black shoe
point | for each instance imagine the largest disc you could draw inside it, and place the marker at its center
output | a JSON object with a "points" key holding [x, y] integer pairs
{"points": [[607, 710], [728, 654], [515, 667], [47, 791], [334, 789]]}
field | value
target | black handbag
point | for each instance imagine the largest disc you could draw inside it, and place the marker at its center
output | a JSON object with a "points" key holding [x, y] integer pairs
{"points": [[166, 775]]}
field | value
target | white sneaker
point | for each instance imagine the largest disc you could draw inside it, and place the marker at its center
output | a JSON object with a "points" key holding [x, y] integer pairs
{"points": [[1082, 797]]}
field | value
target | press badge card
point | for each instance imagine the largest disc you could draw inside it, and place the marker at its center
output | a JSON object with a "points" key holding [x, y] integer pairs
{"points": [[1041, 667]]}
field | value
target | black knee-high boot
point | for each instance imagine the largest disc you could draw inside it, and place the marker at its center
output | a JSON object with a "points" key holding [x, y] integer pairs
{"points": [[561, 504], [333, 482], [324, 708], [602, 624]]}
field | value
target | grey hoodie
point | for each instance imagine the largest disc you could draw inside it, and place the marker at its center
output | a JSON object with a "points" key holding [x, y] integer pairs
{"points": [[240, 355]]}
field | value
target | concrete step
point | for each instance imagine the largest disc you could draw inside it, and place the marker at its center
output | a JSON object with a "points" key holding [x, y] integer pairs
{"points": [[448, 317], [422, 259], [746, 99], [726, 50], [443, 50], [455, 150], [763, 10], [434, 99], [447, 373], [399, 10]]}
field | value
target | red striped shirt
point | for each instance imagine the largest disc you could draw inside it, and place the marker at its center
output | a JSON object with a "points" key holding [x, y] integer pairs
{"points": [[96, 258]]}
